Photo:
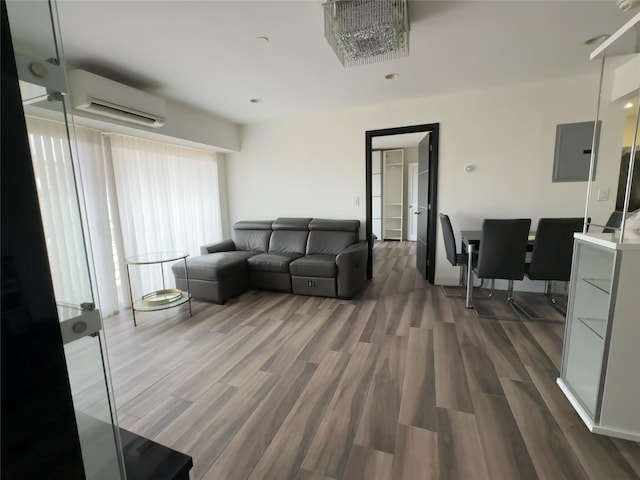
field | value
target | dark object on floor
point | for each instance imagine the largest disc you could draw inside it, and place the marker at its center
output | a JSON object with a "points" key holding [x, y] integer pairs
{"points": [[145, 459]]}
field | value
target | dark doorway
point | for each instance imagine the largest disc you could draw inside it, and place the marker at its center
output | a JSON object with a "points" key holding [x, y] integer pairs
{"points": [[426, 216]]}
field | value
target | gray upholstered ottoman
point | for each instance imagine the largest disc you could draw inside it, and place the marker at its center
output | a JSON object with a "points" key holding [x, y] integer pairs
{"points": [[216, 276]]}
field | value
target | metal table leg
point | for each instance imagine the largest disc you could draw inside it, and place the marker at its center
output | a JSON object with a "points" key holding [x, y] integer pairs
{"points": [[186, 274], [133, 309], [470, 249]]}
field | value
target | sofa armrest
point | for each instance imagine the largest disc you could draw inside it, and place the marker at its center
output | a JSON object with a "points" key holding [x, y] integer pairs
{"points": [[352, 265], [224, 246]]}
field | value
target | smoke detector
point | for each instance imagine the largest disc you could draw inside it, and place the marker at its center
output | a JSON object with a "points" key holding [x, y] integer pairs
{"points": [[625, 5]]}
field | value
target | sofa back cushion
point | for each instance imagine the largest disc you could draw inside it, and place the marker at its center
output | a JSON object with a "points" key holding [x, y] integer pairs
{"points": [[330, 237], [252, 236], [289, 235]]}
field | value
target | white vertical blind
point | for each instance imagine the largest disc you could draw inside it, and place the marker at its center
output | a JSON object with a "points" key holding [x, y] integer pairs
{"points": [[168, 201], [55, 182]]}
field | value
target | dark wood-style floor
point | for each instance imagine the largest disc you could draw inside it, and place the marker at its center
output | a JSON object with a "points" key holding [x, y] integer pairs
{"points": [[400, 383]]}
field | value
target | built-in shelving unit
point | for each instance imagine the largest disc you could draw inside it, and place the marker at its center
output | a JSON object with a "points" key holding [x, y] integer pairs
{"points": [[392, 196], [602, 336], [376, 193]]}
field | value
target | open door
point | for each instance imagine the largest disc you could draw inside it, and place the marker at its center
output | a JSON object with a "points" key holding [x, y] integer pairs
{"points": [[427, 141], [422, 211], [412, 195]]}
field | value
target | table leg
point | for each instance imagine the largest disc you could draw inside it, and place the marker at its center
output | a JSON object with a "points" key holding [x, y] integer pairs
{"points": [[133, 309], [186, 275], [470, 249]]}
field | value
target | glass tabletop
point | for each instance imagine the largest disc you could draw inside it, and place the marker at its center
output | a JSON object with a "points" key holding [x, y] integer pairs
{"points": [[158, 257]]}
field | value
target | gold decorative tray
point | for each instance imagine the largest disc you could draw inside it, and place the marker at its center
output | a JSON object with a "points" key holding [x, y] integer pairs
{"points": [[161, 297]]}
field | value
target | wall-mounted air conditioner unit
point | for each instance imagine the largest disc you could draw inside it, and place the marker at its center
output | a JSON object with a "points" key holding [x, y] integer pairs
{"points": [[101, 96]]}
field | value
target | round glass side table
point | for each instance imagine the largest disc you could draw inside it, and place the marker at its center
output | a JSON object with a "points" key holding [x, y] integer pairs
{"points": [[159, 299]]}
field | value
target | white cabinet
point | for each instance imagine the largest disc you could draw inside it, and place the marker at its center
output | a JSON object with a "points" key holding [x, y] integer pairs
{"points": [[601, 356], [392, 194]]}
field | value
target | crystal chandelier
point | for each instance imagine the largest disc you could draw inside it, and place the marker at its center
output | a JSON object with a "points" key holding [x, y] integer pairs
{"points": [[367, 31]]}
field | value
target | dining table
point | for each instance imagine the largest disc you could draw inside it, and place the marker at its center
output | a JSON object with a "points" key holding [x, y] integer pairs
{"points": [[471, 244]]}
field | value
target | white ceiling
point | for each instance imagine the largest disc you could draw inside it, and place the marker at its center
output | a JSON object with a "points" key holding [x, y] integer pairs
{"points": [[208, 54]]}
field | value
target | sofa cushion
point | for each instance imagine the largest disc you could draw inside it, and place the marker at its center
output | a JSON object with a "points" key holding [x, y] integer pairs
{"points": [[289, 235], [330, 237], [271, 262], [214, 266], [314, 266], [252, 236], [334, 225], [329, 243], [291, 223]]}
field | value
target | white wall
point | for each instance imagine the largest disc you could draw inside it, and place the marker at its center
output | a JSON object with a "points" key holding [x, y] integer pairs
{"points": [[314, 166]]}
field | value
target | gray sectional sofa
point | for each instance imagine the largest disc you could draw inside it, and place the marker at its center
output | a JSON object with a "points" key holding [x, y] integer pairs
{"points": [[296, 255]]}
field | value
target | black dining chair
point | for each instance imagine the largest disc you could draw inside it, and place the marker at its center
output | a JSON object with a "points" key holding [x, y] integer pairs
{"points": [[455, 259], [503, 249], [552, 254], [615, 219]]}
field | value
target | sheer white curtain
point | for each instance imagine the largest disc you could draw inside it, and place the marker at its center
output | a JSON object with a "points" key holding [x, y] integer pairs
{"points": [[168, 200], [61, 204]]}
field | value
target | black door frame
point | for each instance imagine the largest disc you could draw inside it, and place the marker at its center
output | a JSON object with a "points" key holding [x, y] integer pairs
{"points": [[434, 130]]}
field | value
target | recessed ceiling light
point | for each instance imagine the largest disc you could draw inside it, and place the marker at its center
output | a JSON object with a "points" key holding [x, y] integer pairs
{"points": [[597, 40], [391, 76], [255, 100], [628, 105]]}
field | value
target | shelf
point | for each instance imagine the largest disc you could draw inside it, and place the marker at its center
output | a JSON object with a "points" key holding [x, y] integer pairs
{"points": [[393, 204], [394, 164], [138, 305], [392, 229], [397, 218], [603, 284], [596, 325]]}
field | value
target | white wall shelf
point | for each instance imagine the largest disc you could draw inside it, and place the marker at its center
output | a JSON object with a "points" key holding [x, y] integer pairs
{"points": [[392, 187]]}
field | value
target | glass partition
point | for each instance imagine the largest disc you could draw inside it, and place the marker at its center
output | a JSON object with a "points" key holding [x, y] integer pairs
{"points": [[614, 186], [36, 39]]}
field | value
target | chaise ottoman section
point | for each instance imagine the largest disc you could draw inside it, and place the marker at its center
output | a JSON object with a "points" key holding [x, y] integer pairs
{"points": [[216, 276]]}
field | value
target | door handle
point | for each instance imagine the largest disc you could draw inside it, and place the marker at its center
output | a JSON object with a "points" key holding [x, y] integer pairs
{"points": [[417, 213]]}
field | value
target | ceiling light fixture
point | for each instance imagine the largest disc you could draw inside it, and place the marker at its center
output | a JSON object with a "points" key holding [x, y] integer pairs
{"points": [[628, 105], [391, 76], [367, 31], [255, 100], [597, 40], [264, 39]]}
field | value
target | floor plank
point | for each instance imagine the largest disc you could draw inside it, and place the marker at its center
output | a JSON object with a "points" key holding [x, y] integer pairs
{"points": [[284, 455], [416, 455], [549, 450], [504, 449], [379, 419], [452, 389], [459, 451], [329, 451], [418, 401], [368, 464]]}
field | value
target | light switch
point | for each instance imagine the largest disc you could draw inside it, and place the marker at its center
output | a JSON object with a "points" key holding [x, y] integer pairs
{"points": [[356, 200], [603, 194]]}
